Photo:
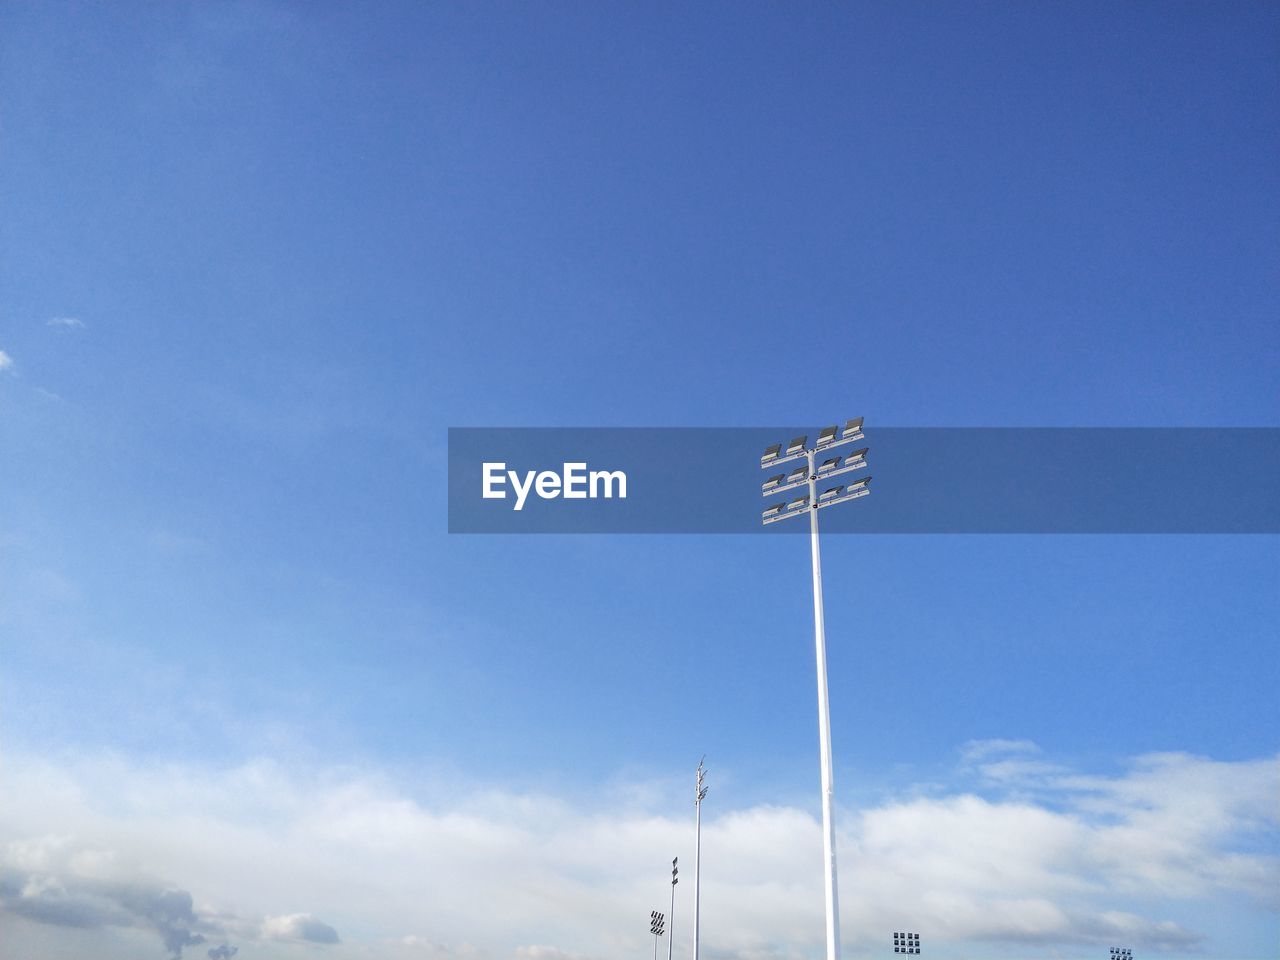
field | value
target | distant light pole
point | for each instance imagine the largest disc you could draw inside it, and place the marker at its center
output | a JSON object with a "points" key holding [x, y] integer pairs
{"points": [[655, 927], [807, 475], [1121, 953], [699, 794], [671, 927], [906, 942]]}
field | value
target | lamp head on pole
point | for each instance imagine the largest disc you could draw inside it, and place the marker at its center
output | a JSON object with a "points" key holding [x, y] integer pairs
{"points": [[799, 476]]}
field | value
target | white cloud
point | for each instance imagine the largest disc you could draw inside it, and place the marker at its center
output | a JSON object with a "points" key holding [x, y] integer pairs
{"points": [[6, 361], [53, 881], [493, 875], [298, 926], [1008, 762], [56, 881], [64, 322], [535, 952]]}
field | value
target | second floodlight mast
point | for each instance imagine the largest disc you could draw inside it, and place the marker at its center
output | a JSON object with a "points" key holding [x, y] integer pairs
{"points": [[671, 923], [798, 449], [699, 794]]}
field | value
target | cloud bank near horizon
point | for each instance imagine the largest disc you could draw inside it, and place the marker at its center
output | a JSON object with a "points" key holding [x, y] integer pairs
{"points": [[1024, 851]]}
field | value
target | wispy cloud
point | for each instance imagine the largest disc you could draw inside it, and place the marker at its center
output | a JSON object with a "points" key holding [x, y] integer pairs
{"points": [[64, 322], [1083, 859], [6, 361], [1008, 763], [976, 750]]}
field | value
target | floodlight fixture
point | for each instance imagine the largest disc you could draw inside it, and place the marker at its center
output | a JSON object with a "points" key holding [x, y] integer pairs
{"points": [[1121, 953], [772, 513], [806, 475], [904, 942], [859, 488], [774, 455], [782, 482], [656, 921], [836, 466]]}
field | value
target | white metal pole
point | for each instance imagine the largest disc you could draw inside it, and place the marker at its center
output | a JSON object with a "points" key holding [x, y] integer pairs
{"points": [[671, 919], [824, 728], [697, 856]]}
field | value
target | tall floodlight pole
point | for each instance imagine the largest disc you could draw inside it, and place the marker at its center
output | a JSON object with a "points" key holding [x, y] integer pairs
{"points": [[655, 927], [671, 922], [699, 794], [807, 475]]}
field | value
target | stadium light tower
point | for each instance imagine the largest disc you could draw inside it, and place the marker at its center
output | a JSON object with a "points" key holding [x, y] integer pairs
{"points": [[1121, 953], [656, 921], [671, 931], [808, 471], [699, 794]]}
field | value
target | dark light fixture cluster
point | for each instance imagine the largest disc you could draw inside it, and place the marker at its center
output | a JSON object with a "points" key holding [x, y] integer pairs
{"points": [[906, 942]]}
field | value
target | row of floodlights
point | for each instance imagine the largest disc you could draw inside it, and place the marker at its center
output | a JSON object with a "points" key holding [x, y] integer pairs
{"points": [[828, 497], [656, 923], [827, 437], [910, 943], [906, 942], [828, 468]]}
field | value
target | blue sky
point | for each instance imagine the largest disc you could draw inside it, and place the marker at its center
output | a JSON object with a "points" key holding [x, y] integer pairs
{"points": [[259, 257]]}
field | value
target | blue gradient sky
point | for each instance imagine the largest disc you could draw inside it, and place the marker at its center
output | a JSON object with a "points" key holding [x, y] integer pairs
{"points": [[257, 258]]}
